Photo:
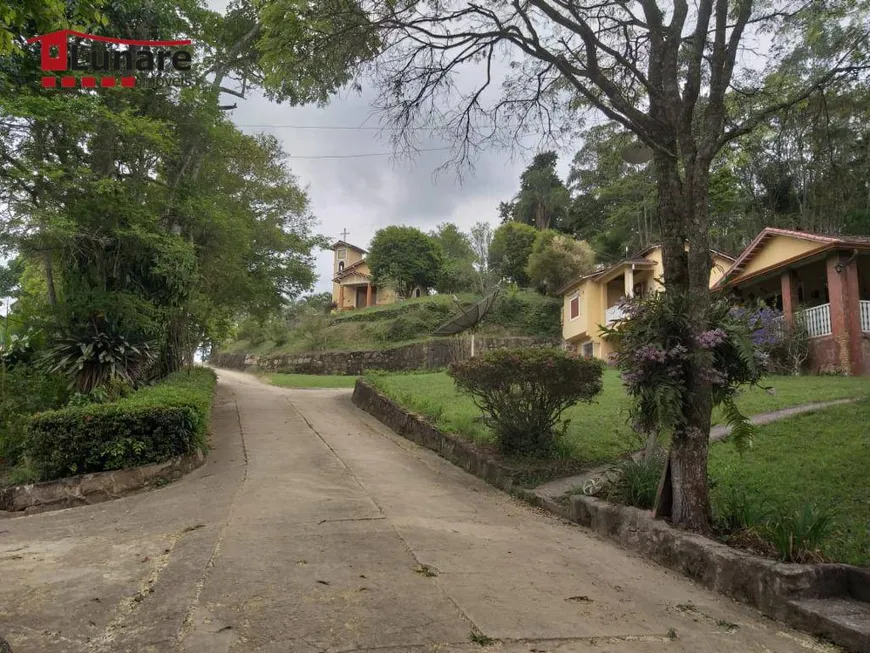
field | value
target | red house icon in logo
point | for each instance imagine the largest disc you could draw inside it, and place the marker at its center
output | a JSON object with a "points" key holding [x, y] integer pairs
{"points": [[54, 49], [49, 42]]}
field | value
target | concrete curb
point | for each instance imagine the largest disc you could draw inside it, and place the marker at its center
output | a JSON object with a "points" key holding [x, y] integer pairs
{"points": [[93, 488], [786, 592]]}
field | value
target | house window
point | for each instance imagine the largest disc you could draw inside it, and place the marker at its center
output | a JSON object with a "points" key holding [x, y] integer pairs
{"points": [[587, 350], [574, 311], [341, 252]]}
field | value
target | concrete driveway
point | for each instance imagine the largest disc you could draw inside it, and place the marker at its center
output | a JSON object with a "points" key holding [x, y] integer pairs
{"points": [[313, 528]]}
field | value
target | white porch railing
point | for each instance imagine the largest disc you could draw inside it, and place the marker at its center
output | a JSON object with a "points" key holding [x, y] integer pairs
{"points": [[817, 320], [865, 315], [613, 314]]}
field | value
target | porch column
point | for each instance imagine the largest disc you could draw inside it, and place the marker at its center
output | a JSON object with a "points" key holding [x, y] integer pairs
{"points": [[789, 295], [341, 298], [628, 282], [368, 294], [845, 311]]}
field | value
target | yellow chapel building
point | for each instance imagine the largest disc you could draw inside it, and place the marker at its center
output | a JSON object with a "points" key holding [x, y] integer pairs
{"points": [[352, 285]]}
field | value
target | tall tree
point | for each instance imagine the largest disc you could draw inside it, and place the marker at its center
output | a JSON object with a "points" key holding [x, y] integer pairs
{"points": [[404, 258], [557, 259], [481, 238], [457, 269], [671, 73], [509, 251], [542, 199]]}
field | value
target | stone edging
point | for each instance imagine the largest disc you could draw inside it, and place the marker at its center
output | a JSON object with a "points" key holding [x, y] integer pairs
{"points": [[93, 488], [786, 592]]}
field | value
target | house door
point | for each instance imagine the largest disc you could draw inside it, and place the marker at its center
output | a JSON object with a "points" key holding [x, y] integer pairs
{"points": [[587, 350], [360, 297]]}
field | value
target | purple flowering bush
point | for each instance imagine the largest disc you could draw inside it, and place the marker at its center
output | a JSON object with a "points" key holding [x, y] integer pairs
{"points": [[656, 347], [522, 393]]}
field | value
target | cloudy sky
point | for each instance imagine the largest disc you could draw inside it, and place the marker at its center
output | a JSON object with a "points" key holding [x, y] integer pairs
{"points": [[365, 194]]}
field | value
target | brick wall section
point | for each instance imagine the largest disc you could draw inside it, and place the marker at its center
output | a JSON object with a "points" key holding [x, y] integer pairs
{"points": [[845, 312], [824, 356], [432, 354]]}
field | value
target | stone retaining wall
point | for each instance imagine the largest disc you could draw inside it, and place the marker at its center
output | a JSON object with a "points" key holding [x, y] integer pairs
{"points": [[432, 354], [94, 488], [787, 592]]}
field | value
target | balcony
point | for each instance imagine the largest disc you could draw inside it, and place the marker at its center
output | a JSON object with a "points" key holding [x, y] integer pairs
{"points": [[614, 314]]}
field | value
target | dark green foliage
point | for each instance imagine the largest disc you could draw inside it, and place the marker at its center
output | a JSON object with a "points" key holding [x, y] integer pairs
{"points": [[509, 252], [543, 200], [457, 271], [418, 323], [637, 482], [404, 258], [523, 393], [737, 508], [97, 353], [527, 312], [25, 390], [798, 535], [149, 426]]}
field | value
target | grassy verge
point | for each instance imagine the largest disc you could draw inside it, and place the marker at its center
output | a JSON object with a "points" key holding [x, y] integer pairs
{"points": [[311, 380], [598, 432], [818, 458]]}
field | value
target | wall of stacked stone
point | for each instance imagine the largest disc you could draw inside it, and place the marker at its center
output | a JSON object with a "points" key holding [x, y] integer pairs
{"points": [[432, 354]]}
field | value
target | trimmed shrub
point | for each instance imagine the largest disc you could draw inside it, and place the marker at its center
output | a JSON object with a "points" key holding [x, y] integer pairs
{"points": [[25, 390], [523, 393], [152, 425]]}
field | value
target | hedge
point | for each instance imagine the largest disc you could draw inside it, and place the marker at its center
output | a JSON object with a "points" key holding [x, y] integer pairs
{"points": [[151, 425]]}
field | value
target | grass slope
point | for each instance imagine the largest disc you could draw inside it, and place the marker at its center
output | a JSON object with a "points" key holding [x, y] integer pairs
{"points": [[598, 432], [516, 313], [820, 458]]}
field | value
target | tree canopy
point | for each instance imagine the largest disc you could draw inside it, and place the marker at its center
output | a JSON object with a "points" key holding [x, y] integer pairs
{"points": [[509, 251], [405, 258]]}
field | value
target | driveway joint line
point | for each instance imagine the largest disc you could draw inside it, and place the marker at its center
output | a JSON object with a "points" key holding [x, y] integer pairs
{"points": [[395, 529]]}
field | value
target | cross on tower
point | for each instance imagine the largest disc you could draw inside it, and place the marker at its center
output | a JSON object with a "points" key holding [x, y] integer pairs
{"points": [[344, 234]]}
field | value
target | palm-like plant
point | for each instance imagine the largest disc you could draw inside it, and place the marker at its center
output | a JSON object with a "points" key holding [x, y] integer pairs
{"points": [[97, 353]]}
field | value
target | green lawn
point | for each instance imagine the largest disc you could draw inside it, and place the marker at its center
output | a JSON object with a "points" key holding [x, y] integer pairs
{"points": [[598, 431], [311, 380], [821, 458]]}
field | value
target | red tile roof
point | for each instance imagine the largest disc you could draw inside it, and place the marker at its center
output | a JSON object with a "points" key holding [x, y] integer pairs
{"points": [[825, 241]]}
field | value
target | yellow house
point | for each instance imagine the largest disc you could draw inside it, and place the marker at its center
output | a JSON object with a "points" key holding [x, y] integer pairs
{"points": [[593, 300], [821, 280], [352, 285]]}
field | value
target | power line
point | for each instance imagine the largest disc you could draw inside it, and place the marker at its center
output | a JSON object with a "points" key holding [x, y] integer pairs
{"points": [[335, 127], [360, 156]]}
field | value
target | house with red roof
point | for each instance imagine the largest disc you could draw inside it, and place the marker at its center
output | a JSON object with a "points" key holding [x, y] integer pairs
{"points": [[822, 280]]}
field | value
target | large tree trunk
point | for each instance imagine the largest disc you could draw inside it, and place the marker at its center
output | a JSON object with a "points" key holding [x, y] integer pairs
{"points": [[682, 207]]}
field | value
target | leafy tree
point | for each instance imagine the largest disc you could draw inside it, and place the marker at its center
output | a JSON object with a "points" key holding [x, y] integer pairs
{"points": [[150, 197], [481, 239], [673, 74], [457, 270], [543, 198], [613, 204], [405, 258], [509, 251], [557, 259]]}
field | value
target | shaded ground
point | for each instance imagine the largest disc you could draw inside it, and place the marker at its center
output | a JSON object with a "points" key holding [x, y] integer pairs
{"points": [[326, 532]]}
